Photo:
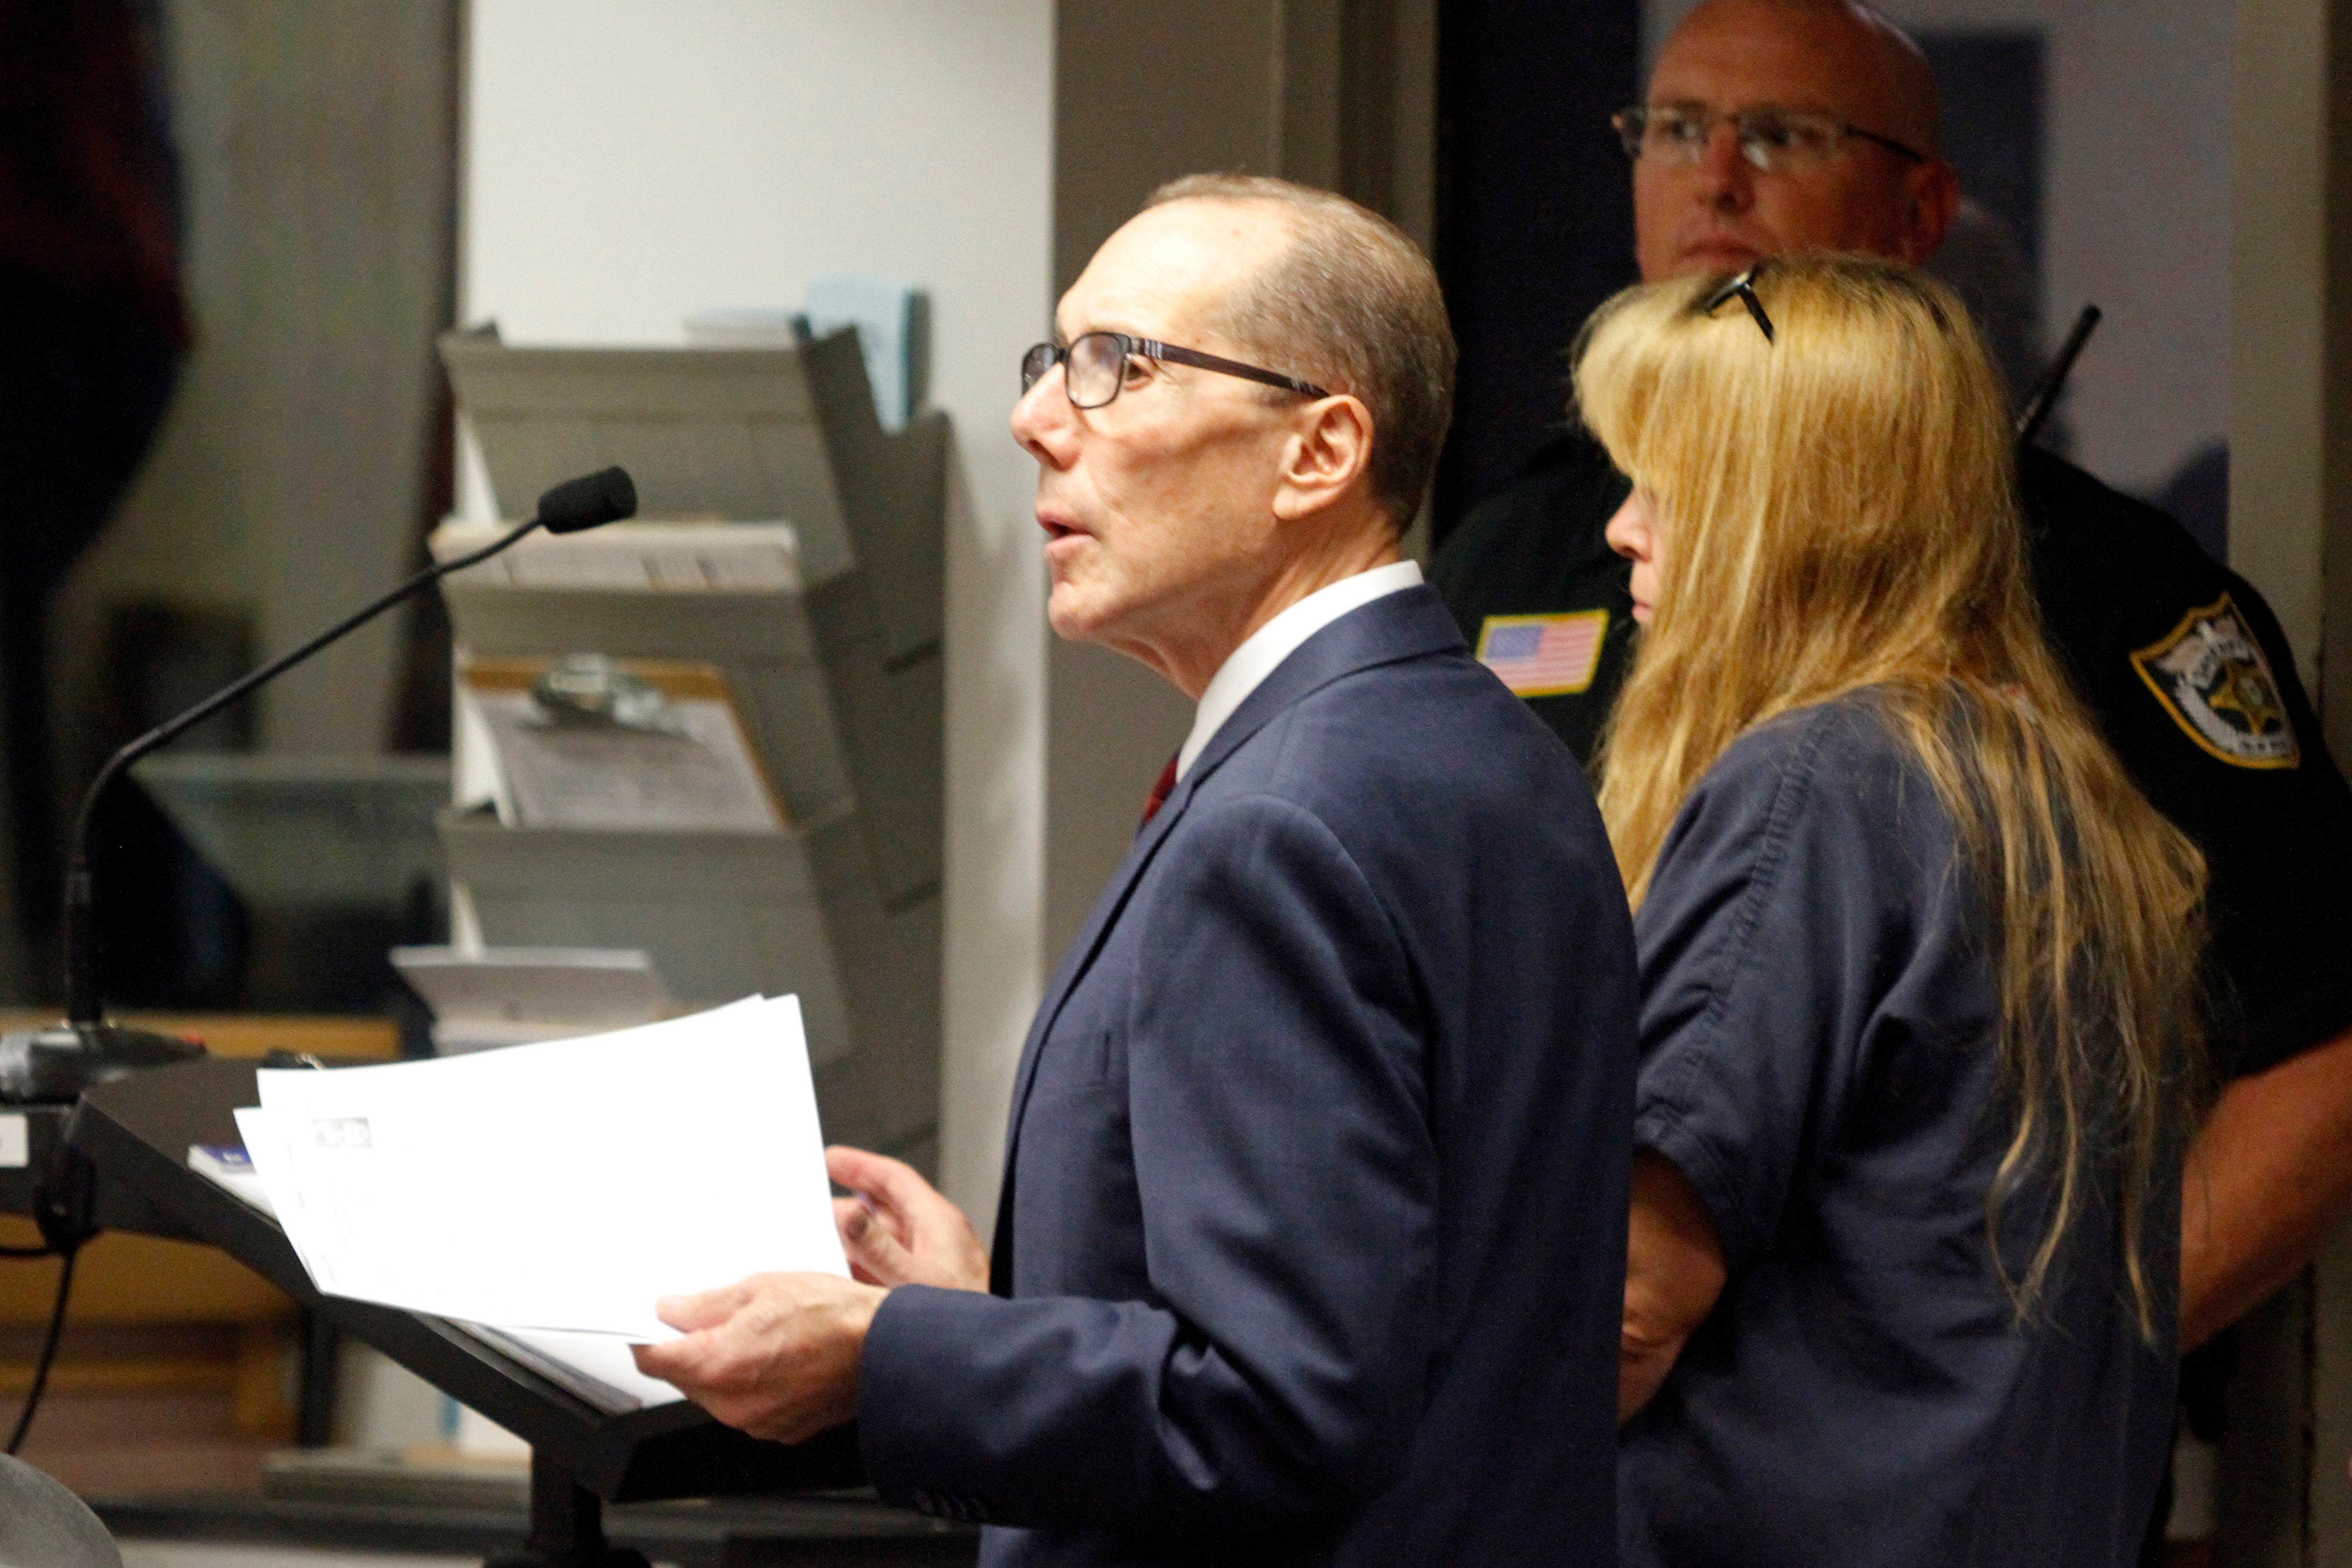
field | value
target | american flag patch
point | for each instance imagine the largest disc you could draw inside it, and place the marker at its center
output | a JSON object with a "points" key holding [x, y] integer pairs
{"points": [[1544, 655]]}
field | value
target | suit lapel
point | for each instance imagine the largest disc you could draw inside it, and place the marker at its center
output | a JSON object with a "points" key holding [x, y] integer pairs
{"points": [[1406, 624], [1080, 955], [1076, 961]]}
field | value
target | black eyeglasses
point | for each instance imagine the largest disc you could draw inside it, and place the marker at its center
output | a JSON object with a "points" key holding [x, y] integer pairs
{"points": [[1774, 138], [1742, 289], [1095, 366]]}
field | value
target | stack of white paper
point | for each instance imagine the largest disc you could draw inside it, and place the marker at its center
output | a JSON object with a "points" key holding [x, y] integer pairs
{"points": [[596, 1367], [563, 1186]]}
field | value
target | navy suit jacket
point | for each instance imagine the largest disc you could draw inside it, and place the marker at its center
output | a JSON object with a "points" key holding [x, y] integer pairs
{"points": [[1311, 1244]]}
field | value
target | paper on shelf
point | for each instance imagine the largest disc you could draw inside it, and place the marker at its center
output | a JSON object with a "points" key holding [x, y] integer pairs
{"points": [[695, 770], [490, 996], [888, 316], [561, 1187]]}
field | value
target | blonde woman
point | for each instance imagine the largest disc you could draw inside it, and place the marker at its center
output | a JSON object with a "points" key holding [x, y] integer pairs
{"points": [[1917, 962]]}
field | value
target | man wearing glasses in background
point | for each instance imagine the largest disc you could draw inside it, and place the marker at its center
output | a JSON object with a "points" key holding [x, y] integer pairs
{"points": [[1773, 126], [1311, 1243]]}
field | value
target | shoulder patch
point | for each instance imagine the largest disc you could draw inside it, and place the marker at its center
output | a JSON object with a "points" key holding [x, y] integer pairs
{"points": [[1544, 655], [2211, 676]]}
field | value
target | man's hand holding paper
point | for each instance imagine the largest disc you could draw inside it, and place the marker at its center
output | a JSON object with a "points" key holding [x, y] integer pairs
{"points": [[777, 1354]]}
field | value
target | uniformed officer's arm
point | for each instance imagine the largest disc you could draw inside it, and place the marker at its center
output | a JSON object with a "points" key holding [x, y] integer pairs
{"points": [[2268, 1178], [2214, 722], [1674, 1273]]}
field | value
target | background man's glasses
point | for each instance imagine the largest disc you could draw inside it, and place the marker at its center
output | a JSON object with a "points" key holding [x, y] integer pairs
{"points": [[1775, 139], [1095, 366]]}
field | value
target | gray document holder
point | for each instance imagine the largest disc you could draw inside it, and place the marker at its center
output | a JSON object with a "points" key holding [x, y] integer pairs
{"points": [[839, 684]]}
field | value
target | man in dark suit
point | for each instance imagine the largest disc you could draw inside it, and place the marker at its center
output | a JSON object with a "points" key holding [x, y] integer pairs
{"points": [[1312, 1241]]}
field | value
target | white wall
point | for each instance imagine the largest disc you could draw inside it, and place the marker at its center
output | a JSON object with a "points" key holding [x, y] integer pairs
{"points": [[2136, 211], [626, 164]]}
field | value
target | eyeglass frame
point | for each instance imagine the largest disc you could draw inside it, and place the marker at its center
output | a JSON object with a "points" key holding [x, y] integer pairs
{"points": [[1149, 349], [1630, 123], [1741, 287]]}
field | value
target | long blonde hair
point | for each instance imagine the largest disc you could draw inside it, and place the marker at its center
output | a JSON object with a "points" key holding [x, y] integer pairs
{"points": [[1839, 514]]}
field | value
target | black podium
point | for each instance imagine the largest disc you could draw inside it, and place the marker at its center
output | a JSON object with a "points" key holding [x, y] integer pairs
{"points": [[119, 1156]]}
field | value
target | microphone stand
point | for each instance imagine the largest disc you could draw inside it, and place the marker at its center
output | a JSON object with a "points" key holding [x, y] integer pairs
{"points": [[54, 1065]]}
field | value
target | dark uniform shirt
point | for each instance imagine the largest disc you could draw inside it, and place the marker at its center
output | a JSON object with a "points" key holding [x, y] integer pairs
{"points": [[1819, 1027], [2180, 661]]}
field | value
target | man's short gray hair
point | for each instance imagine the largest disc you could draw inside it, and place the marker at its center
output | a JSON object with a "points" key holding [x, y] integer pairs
{"points": [[1350, 304]]}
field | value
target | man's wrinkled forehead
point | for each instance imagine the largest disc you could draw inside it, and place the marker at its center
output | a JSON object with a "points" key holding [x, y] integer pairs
{"points": [[1799, 54], [1172, 270]]}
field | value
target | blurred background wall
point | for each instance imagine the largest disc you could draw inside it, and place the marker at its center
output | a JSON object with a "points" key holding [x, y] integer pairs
{"points": [[296, 469], [304, 451]]}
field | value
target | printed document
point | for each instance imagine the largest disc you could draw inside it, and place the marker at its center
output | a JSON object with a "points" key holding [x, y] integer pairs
{"points": [[562, 1186]]}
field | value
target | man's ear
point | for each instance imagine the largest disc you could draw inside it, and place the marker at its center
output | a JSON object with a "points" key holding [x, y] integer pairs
{"points": [[1932, 190], [1326, 457]]}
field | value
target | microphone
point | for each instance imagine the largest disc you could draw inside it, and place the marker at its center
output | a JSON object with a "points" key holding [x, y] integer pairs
{"points": [[55, 1065]]}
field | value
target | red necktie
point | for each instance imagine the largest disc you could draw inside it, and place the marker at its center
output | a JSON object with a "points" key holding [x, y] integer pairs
{"points": [[1159, 793]]}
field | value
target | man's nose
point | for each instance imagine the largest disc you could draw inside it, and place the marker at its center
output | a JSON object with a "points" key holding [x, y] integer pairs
{"points": [[1044, 421], [1726, 177]]}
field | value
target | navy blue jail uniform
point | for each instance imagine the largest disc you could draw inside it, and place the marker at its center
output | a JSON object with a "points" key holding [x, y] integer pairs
{"points": [[1820, 1057]]}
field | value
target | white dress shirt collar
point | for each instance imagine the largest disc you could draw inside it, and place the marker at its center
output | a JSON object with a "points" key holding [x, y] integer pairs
{"points": [[1275, 641]]}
